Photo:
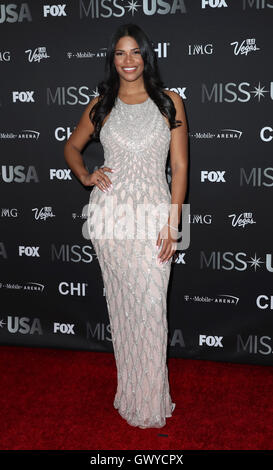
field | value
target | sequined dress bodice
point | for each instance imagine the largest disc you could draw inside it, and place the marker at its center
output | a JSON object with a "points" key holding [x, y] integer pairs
{"points": [[135, 139]]}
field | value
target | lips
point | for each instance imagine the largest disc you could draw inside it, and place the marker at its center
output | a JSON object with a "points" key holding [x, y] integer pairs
{"points": [[129, 69]]}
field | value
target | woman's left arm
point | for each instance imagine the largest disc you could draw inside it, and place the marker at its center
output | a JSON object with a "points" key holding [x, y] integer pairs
{"points": [[179, 167], [179, 161]]}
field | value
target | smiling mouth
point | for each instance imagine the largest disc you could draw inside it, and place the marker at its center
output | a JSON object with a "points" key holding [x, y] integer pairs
{"points": [[129, 69]]}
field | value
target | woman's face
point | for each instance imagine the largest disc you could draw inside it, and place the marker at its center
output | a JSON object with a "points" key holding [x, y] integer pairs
{"points": [[127, 59]]}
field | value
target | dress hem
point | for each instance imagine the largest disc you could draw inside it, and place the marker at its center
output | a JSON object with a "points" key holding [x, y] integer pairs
{"points": [[156, 424]]}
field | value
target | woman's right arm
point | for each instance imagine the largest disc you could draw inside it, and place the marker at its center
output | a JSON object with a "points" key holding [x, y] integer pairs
{"points": [[73, 148], [76, 142]]}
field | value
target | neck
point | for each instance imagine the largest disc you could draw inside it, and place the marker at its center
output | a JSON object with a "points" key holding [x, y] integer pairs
{"points": [[131, 88]]}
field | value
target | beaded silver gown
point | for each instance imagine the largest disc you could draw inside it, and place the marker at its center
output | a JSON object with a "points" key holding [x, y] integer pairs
{"points": [[135, 139]]}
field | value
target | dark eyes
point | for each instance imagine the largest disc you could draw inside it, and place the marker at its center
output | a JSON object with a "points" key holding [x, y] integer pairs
{"points": [[119, 52]]}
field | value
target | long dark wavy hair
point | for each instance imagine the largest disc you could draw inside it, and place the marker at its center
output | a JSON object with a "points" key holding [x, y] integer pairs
{"points": [[108, 88]]}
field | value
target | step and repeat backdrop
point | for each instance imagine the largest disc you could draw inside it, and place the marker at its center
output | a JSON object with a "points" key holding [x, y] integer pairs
{"points": [[217, 54]]}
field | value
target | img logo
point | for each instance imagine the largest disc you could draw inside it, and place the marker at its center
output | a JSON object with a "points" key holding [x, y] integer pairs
{"points": [[200, 49]]}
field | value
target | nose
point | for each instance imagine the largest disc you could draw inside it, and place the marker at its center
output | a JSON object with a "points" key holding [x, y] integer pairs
{"points": [[128, 59]]}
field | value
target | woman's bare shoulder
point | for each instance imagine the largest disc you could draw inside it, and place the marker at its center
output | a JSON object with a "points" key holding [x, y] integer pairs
{"points": [[93, 102], [173, 95]]}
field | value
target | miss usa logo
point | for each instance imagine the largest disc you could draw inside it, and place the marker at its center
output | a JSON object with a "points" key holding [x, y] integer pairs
{"points": [[96, 9]]}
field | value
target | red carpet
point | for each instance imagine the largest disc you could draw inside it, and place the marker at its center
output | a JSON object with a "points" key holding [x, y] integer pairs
{"points": [[61, 399]]}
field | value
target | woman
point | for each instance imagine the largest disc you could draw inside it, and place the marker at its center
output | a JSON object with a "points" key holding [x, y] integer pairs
{"points": [[137, 122]]}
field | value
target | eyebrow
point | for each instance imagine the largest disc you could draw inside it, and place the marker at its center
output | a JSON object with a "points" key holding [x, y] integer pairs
{"points": [[124, 51]]}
